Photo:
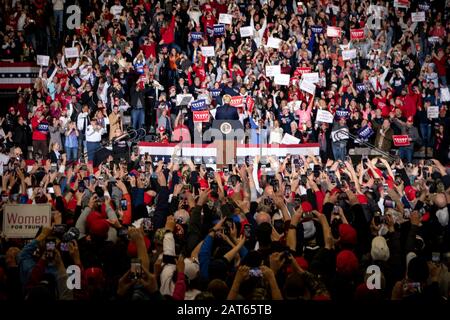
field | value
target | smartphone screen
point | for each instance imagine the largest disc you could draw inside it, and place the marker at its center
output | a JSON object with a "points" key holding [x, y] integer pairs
{"points": [[436, 257], [64, 246], [123, 204], [50, 249], [136, 269]]}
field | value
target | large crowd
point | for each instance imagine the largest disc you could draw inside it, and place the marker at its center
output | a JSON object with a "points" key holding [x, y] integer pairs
{"points": [[297, 227]]}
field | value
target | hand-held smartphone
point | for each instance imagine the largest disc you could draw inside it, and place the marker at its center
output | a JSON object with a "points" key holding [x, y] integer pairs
{"points": [[332, 176], [336, 210], [64, 246], [247, 231], [255, 272], [50, 246], [147, 225], [136, 269], [287, 191], [436, 257], [123, 204]]}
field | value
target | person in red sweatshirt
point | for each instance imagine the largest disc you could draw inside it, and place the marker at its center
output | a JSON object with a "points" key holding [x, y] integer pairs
{"points": [[208, 21], [168, 31], [411, 101], [39, 126], [439, 60]]}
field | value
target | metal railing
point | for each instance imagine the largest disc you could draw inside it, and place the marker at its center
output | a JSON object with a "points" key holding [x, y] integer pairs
{"points": [[344, 134]]}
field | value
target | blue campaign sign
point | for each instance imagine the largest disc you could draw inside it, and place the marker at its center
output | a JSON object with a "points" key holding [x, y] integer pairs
{"points": [[196, 36], [215, 92], [365, 132], [317, 29], [198, 105], [342, 113], [219, 29], [360, 87]]}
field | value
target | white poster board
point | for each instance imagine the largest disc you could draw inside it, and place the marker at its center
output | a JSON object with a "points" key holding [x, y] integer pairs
{"points": [[324, 116], [24, 220], [71, 52], [225, 18], [433, 112], [333, 32], [42, 60], [445, 94], [273, 42], [418, 16], [348, 54], [312, 77], [308, 87], [282, 79], [289, 139], [184, 99], [246, 32], [208, 51], [271, 71]]}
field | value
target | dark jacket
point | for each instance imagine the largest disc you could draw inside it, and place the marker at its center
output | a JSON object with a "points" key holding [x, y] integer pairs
{"points": [[227, 112], [136, 95]]}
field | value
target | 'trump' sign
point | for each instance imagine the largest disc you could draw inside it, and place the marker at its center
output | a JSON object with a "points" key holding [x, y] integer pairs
{"points": [[24, 220], [201, 116], [401, 140], [356, 34]]}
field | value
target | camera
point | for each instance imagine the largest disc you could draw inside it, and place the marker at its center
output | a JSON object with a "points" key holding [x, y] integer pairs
{"points": [[71, 234], [308, 215], [59, 229]]}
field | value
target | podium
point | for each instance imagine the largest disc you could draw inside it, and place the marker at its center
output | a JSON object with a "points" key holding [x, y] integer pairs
{"points": [[227, 135]]}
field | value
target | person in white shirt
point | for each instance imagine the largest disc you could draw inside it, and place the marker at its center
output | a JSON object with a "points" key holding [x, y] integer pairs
{"points": [[116, 9], [58, 13], [276, 134], [94, 134], [82, 124]]}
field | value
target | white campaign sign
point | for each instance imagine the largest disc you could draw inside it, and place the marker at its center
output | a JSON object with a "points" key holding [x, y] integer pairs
{"points": [[433, 112], [42, 60], [418, 16], [289, 139], [312, 77], [271, 71], [184, 99], [208, 51], [225, 18], [71, 52], [324, 116], [246, 31], [24, 220], [308, 87], [333, 32], [282, 79], [445, 94], [348, 54], [273, 42]]}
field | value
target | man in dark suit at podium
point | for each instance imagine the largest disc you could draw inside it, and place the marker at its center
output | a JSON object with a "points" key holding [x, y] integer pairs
{"points": [[226, 112]]}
